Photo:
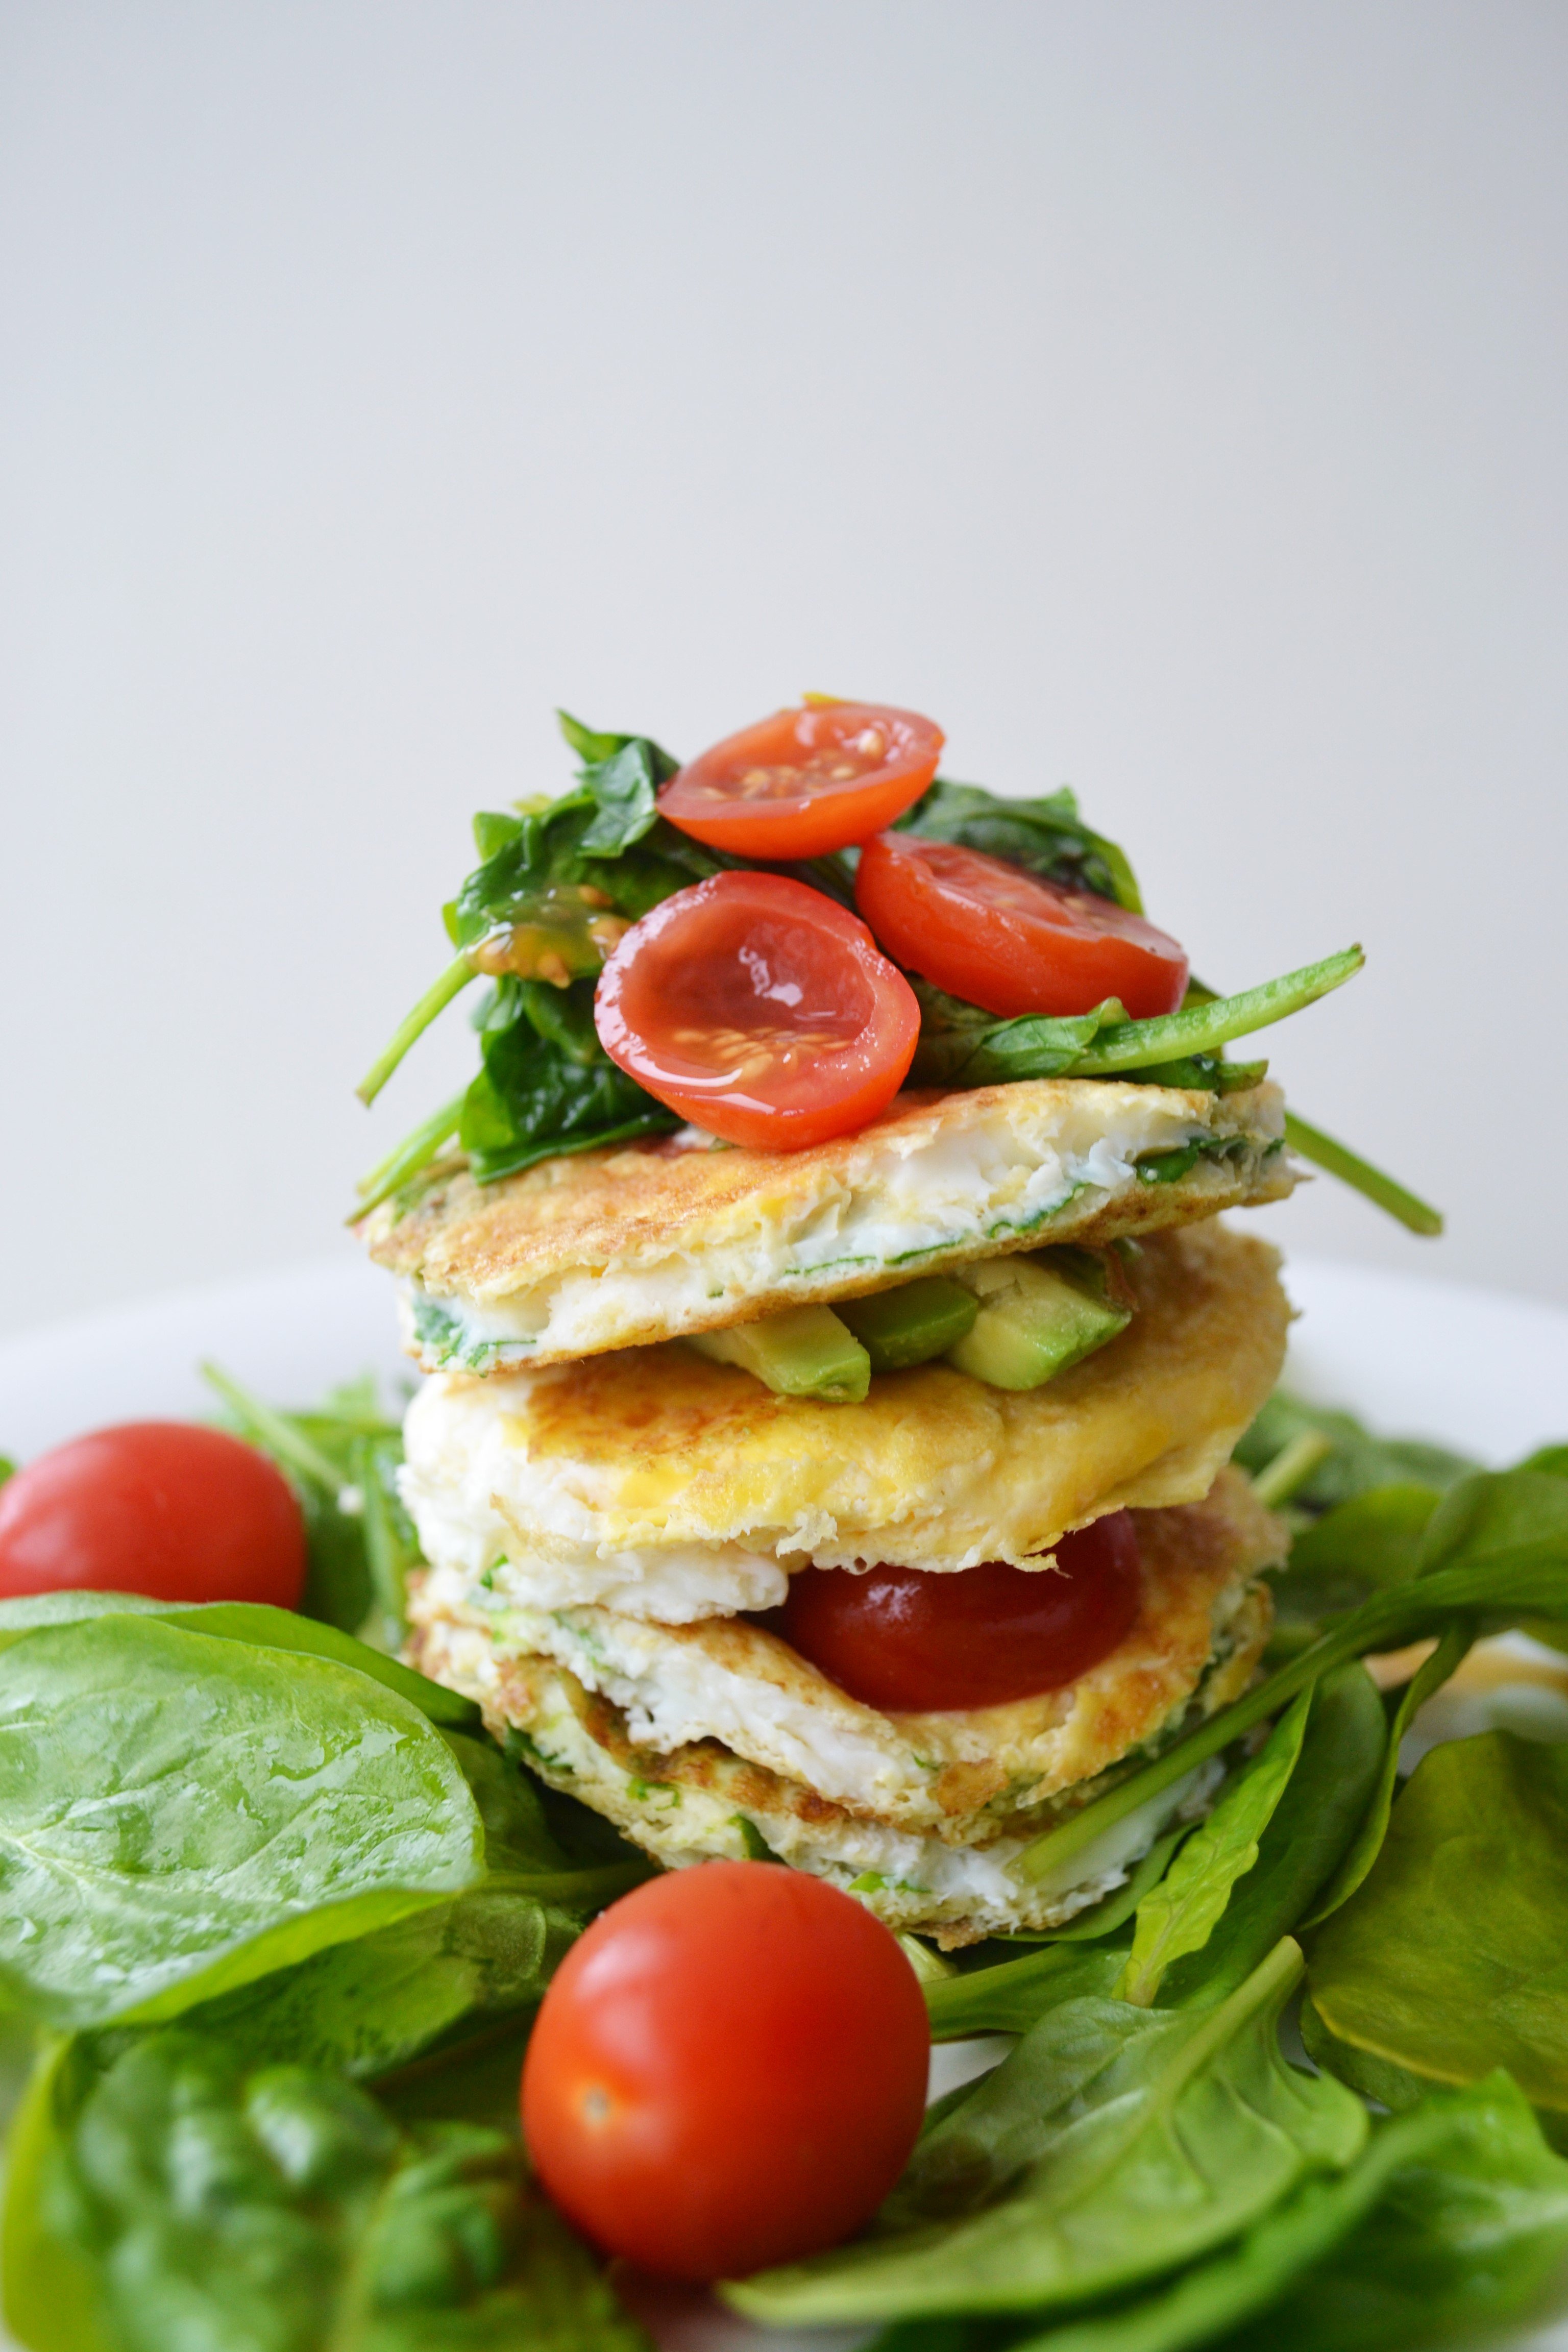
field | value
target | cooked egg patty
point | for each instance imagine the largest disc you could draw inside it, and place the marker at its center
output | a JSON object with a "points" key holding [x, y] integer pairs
{"points": [[619, 1248], [658, 1484], [703, 1740]]}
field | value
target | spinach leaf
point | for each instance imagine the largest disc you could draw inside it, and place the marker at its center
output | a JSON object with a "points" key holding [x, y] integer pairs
{"points": [[1456, 2217], [1360, 1546], [1324, 1801], [342, 1463], [7, 1468], [1366, 1846], [1113, 2146], [547, 1086], [179, 1815], [1497, 1548], [1355, 1462], [367, 2007], [1045, 836], [961, 1047], [243, 1620], [1179, 1914], [200, 2201], [1452, 1958], [1384, 1192], [1113, 1910]]}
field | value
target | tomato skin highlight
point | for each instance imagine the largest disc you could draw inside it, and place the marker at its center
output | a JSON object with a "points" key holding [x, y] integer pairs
{"points": [[908, 1641], [758, 1009], [160, 1507], [804, 782], [727, 2070], [1008, 940]]}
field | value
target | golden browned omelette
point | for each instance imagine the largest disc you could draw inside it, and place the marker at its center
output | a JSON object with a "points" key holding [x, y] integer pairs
{"points": [[617, 1248], [656, 1483], [700, 1739]]}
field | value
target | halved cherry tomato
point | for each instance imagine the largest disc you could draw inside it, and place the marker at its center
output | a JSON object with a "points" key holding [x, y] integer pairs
{"points": [[1008, 941], [805, 782], [729, 2069], [758, 1009], [161, 1507], [910, 1642]]}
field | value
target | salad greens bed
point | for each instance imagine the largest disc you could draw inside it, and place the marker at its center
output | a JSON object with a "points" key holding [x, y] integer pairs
{"points": [[278, 1912], [534, 914]]}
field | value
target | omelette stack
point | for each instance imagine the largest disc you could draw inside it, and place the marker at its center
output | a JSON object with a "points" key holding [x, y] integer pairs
{"points": [[613, 1514]]}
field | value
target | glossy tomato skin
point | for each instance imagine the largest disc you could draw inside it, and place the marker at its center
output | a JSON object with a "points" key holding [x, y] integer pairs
{"points": [[805, 782], [1008, 940], [160, 1507], [729, 2070], [908, 1641], [758, 1009]]}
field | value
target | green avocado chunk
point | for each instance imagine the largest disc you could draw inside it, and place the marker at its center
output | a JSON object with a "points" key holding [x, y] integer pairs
{"points": [[803, 1351], [911, 1324], [1036, 1315]]}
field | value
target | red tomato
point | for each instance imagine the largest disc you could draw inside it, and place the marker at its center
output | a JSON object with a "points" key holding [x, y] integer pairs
{"points": [[907, 1640], [758, 1009], [1008, 941], [729, 2070], [161, 1507], [805, 782]]}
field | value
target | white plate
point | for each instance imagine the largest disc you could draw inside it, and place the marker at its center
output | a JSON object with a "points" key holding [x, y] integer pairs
{"points": [[1484, 1374]]}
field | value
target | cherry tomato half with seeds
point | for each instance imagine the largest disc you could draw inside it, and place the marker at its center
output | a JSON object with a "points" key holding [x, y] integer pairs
{"points": [[805, 782], [758, 1009], [727, 2070], [1008, 940], [908, 1641], [160, 1507]]}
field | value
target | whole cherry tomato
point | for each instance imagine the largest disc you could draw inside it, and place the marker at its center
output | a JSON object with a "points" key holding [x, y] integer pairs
{"points": [[1008, 941], [161, 1507], [758, 1009], [729, 2070], [805, 782], [909, 1642]]}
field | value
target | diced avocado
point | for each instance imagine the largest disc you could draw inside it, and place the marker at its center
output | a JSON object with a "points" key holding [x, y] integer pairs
{"points": [[803, 1351], [1036, 1315], [911, 1324]]}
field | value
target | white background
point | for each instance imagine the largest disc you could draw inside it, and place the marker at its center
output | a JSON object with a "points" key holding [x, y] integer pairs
{"points": [[1168, 398]]}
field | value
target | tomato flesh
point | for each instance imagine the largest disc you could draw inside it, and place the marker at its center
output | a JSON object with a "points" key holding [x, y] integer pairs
{"points": [[727, 2070], [758, 1010], [909, 1642], [160, 1507], [805, 782], [1008, 940]]}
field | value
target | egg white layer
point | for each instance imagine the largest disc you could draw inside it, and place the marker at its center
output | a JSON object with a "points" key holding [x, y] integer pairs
{"points": [[541, 1268], [909, 1879]]}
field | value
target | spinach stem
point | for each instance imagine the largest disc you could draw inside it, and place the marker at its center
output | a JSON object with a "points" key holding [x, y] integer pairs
{"points": [[416, 1152], [275, 1431], [1291, 1467], [1200, 1028], [1338, 1160], [435, 999]]}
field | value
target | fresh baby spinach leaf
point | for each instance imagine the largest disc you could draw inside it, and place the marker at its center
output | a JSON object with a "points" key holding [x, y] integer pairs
{"points": [[244, 1621], [1453, 2218], [547, 1086], [1115, 2144], [1452, 1957], [179, 1815], [365, 2008], [1364, 1847], [1180, 1914], [1355, 1462], [1324, 1801], [191, 2198]]}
